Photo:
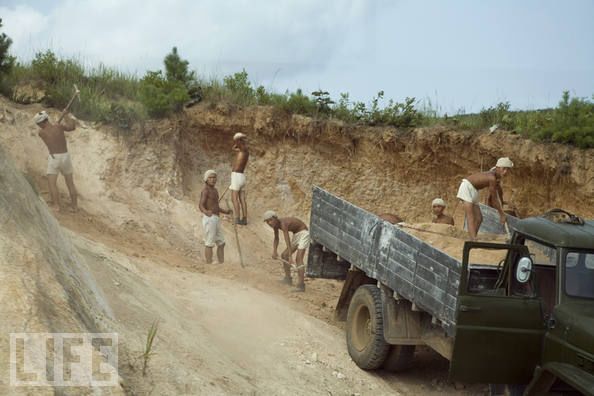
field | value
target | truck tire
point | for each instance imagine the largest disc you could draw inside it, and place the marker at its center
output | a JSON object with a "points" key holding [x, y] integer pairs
{"points": [[399, 358], [365, 328]]}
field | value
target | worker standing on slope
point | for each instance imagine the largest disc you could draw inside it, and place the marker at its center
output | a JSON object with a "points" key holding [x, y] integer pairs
{"points": [[238, 178], [59, 158], [300, 242], [438, 207], [211, 223], [468, 193]]}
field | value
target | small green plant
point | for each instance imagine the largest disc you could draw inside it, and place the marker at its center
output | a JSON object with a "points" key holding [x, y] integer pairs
{"points": [[148, 347], [322, 101], [240, 89], [572, 122], [160, 96]]}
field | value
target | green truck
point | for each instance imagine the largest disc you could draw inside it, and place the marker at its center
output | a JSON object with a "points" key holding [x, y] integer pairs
{"points": [[524, 325]]}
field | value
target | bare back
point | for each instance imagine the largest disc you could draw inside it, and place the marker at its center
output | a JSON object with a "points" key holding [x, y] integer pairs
{"points": [[209, 200], [483, 179], [292, 224], [54, 138]]}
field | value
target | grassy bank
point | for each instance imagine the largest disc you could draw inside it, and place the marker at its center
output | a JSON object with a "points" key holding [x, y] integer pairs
{"points": [[122, 99]]}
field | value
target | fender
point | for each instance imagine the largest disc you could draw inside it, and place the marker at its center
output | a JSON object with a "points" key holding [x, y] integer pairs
{"points": [[545, 376]]}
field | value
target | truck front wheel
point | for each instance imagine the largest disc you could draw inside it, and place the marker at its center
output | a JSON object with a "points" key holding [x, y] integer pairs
{"points": [[365, 328]]}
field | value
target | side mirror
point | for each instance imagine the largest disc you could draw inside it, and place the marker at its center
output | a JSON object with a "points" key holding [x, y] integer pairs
{"points": [[524, 269]]}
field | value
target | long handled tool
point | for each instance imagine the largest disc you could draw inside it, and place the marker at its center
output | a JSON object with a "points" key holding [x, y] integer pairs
{"points": [[76, 94], [504, 224], [224, 192], [236, 237]]}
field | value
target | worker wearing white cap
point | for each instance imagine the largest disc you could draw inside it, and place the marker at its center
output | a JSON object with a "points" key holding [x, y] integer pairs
{"points": [[238, 178], [209, 206], [58, 160], [299, 243], [468, 193], [492, 199], [438, 207]]}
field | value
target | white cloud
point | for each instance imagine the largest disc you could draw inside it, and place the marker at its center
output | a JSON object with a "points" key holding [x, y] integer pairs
{"points": [[23, 25], [466, 54], [213, 35]]}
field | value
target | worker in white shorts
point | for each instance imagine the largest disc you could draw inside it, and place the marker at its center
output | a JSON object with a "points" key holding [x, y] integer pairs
{"points": [[468, 193], [211, 223], [238, 179], [58, 160]]}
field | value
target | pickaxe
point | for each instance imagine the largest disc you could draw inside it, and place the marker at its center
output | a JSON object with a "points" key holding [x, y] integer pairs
{"points": [[76, 94]]}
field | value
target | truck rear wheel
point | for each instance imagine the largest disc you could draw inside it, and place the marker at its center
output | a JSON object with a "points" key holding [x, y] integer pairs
{"points": [[365, 328], [399, 358]]}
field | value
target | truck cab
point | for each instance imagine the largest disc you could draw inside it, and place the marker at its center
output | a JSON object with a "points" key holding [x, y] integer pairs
{"points": [[531, 321]]}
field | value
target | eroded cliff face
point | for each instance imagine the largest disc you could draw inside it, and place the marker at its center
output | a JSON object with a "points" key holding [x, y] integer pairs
{"points": [[46, 284], [379, 168], [382, 169]]}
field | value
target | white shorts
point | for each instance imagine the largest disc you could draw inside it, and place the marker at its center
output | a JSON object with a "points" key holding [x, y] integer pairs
{"points": [[237, 181], [59, 163], [213, 234], [301, 240], [468, 193]]}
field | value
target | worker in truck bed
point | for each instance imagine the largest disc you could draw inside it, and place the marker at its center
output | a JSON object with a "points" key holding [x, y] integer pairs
{"points": [[299, 242], [438, 207], [468, 193]]}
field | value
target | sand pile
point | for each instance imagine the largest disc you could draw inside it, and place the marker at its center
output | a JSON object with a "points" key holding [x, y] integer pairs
{"points": [[450, 240]]}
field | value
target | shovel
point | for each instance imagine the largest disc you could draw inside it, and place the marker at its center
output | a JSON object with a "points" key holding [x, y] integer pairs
{"points": [[236, 237]]}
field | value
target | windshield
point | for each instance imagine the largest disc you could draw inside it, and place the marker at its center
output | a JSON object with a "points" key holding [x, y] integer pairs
{"points": [[579, 274]]}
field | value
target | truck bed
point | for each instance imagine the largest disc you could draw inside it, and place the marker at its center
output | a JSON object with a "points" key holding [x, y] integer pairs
{"points": [[415, 270]]}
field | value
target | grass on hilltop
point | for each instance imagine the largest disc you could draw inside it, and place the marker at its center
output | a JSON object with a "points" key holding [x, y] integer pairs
{"points": [[110, 96]]}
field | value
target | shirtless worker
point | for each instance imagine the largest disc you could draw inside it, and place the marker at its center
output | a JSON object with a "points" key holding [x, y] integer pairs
{"points": [[439, 217], [468, 193], [498, 195], [238, 178], [58, 160], [300, 242], [209, 206]]}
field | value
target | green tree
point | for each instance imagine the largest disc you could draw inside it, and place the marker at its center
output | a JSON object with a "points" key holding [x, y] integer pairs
{"points": [[6, 60], [161, 96], [176, 69], [323, 101]]}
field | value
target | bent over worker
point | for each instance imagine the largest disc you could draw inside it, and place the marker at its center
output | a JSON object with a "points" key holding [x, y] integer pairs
{"points": [[299, 243], [468, 193]]}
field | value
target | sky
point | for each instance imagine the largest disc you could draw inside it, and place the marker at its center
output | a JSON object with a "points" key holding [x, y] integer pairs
{"points": [[461, 55]]}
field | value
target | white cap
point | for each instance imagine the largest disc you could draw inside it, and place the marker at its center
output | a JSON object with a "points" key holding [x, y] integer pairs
{"points": [[208, 174], [269, 214], [438, 202], [40, 117], [239, 135], [504, 162]]}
